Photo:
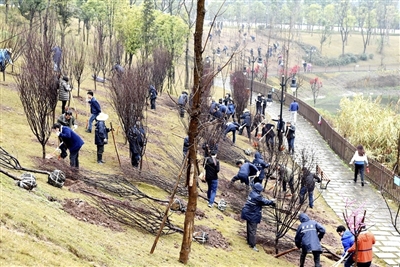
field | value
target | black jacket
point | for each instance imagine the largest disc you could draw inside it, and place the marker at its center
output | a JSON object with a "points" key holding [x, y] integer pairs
{"points": [[211, 169]]}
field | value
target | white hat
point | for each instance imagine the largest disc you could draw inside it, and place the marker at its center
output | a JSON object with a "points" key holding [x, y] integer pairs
{"points": [[245, 110], [102, 117]]}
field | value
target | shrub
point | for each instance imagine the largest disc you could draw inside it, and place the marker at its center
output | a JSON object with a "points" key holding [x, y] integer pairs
{"points": [[371, 56], [363, 57]]}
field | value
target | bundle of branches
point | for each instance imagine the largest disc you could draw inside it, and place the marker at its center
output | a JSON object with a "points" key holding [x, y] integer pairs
{"points": [[137, 213], [7, 161]]}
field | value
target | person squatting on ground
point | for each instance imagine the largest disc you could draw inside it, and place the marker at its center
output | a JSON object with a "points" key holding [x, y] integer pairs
{"points": [[95, 110], [67, 120], [347, 239], [182, 101], [211, 166], [231, 127], [287, 177], [101, 136], [252, 213], [261, 165], [290, 134], [64, 92], [308, 237], [71, 140], [268, 133], [246, 169], [136, 139], [153, 96], [365, 241], [360, 160], [307, 183], [294, 107], [246, 116]]}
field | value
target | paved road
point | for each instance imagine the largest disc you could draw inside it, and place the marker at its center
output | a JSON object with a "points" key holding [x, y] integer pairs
{"points": [[342, 187]]}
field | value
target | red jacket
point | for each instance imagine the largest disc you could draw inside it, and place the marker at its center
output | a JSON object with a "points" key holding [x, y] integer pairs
{"points": [[365, 241]]}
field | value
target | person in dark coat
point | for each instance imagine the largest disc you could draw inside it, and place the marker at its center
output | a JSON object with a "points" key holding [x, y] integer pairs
{"points": [[287, 177], [261, 165], [280, 130], [64, 92], [290, 136], [258, 101], [231, 127], [208, 147], [307, 185], [308, 237], [71, 140], [117, 69], [57, 54], [227, 98], [231, 110], [252, 213], [67, 119], [268, 133], [246, 116], [263, 104], [101, 136], [347, 239], [246, 169], [153, 96], [185, 146], [5, 57], [211, 166], [136, 139], [95, 110], [182, 101]]}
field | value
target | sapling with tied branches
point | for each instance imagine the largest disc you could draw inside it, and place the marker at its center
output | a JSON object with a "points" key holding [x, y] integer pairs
{"points": [[316, 85]]}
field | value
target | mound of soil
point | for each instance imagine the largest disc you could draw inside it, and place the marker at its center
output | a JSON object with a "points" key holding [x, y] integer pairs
{"points": [[215, 238]]}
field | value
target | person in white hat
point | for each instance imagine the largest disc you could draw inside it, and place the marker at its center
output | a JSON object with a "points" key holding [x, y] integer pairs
{"points": [[101, 135]]}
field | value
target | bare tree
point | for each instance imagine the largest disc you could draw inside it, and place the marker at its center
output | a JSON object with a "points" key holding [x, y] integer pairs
{"points": [[191, 170], [240, 91], [316, 85], [78, 60], [36, 88], [162, 62]]}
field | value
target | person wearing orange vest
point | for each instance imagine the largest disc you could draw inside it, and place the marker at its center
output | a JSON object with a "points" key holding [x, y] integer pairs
{"points": [[365, 240]]}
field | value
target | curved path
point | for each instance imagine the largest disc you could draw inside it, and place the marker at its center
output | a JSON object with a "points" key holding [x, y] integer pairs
{"points": [[342, 187]]}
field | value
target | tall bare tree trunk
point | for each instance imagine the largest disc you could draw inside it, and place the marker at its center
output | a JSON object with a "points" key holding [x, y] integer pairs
{"points": [[191, 173]]}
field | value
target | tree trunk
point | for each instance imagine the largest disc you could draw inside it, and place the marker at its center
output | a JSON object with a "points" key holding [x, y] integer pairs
{"points": [[192, 175], [187, 64], [43, 150]]}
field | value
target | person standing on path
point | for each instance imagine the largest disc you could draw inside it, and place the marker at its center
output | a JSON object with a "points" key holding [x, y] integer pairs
{"points": [[347, 239], [211, 166], [360, 160], [308, 237], [294, 107], [71, 140], [290, 136], [95, 110], [252, 213], [365, 241]]}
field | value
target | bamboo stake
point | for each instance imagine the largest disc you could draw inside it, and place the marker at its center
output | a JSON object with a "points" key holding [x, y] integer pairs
{"points": [[115, 145]]}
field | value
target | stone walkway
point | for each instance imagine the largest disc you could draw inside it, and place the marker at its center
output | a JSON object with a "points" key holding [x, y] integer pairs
{"points": [[342, 186]]}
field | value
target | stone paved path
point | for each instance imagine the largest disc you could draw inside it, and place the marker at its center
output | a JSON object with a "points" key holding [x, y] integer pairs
{"points": [[342, 186]]}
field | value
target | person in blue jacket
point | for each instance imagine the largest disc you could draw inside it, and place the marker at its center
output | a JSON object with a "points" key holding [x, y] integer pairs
{"points": [[347, 239], [246, 169], [71, 140], [308, 236], [95, 110], [231, 110], [261, 165], [246, 116], [252, 213], [186, 146], [231, 127]]}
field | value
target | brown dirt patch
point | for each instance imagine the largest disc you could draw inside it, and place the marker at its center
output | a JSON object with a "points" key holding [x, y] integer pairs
{"points": [[82, 211], [215, 238]]}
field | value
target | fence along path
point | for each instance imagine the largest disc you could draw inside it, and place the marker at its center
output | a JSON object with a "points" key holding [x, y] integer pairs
{"points": [[342, 187]]}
